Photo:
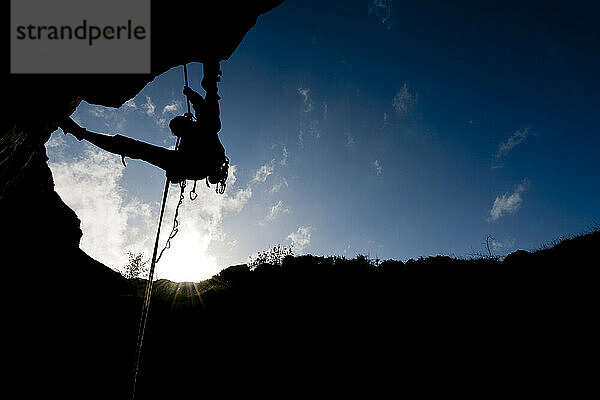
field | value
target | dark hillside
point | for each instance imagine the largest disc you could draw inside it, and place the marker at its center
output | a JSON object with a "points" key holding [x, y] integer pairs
{"points": [[318, 324]]}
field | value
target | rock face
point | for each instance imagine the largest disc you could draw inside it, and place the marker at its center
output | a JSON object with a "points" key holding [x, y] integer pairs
{"points": [[61, 323], [33, 215]]}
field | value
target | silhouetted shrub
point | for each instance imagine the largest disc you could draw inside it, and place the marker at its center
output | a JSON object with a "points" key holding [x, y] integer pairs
{"points": [[391, 267], [136, 266], [274, 256]]}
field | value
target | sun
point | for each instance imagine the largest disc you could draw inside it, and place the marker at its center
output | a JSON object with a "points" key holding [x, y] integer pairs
{"points": [[187, 260]]}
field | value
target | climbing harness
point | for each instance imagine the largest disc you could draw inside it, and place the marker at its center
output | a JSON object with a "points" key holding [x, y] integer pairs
{"points": [[222, 174]]}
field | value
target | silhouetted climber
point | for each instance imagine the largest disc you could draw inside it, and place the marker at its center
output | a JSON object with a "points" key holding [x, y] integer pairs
{"points": [[199, 154]]}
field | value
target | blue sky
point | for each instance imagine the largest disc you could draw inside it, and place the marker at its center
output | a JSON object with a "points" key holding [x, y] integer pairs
{"points": [[391, 129]]}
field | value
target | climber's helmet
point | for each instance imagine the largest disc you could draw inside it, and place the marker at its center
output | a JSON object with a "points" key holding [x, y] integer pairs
{"points": [[181, 125]]}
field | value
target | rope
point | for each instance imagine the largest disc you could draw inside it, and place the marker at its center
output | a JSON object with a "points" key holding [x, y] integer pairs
{"points": [[155, 259], [185, 78], [193, 194], [150, 283], [175, 228], [148, 294]]}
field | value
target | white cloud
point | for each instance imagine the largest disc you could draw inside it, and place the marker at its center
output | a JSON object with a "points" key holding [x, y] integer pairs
{"points": [[382, 9], [300, 238], [149, 106], [162, 122], [56, 141], [515, 139], [278, 186], [113, 118], [112, 224], [508, 203], [116, 119], [313, 128], [404, 101], [284, 156], [504, 244], [378, 167], [349, 139], [310, 119], [173, 108], [264, 172], [385, 121], [129, 105], [306, 99], [276, 209]]}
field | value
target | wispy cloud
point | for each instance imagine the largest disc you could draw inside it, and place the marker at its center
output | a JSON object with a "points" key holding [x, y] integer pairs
{"points": [[385, 122], [129, 105], [149, 106], [278, 186], [349, 139], [310, 117], [503, 245], [284, 155], [378, 167], [277, 209], [514, 140], [56, 141], [264, 171], [306, 99], [508, 203], [404, 101], [301, 238], [113, 118], [382, 9], [116, 119], [174, 107]]}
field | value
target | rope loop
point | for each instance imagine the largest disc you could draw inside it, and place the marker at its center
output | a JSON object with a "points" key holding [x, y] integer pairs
{"points": [[193, 194], [175, 228]]}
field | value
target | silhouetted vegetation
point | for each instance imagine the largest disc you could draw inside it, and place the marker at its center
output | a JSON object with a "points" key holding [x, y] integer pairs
{"points": [[136, 267], [273, 256]]}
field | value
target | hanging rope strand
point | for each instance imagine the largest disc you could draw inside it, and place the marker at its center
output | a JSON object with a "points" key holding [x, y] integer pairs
{"points": [[148, 294], [193, 194], [175, 228], [149, 284], [185, 78]]}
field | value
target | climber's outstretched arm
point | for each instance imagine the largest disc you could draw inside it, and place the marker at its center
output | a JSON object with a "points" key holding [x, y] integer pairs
{"points": [[123, 146]]}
